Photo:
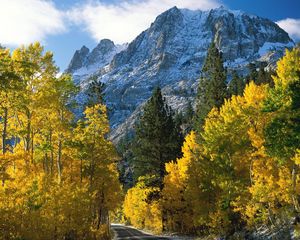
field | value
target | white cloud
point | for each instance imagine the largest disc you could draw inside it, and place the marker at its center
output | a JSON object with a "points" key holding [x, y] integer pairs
{"points": [[291, 26], [26, 21], [123, 22]]}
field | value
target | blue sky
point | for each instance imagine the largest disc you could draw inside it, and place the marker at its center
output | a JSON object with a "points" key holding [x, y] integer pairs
{"points": [[65, 25]]}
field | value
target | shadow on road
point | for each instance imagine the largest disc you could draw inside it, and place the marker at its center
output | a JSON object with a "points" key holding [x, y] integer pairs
{"points": [[123, 232]]}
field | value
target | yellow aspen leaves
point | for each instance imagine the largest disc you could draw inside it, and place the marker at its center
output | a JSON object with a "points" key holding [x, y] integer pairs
{"points": [[58, 178]]}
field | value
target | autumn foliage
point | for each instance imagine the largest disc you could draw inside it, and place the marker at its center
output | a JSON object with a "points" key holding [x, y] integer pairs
{"points": [[58, 176], [240, 171]]}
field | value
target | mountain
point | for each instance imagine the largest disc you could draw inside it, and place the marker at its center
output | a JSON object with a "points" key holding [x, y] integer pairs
{"points": [[170, 54], [85, 62]]}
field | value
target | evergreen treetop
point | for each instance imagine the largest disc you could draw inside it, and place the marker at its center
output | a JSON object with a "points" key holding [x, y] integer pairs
{"points": [[212, 86], [157, 139], [236, 85]]}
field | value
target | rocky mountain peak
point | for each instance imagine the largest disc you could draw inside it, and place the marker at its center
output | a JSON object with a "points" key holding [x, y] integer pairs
{"points": [[105, 45], [101, 52], [78, 59], [170, 54], [170, 17], [151, 44], [84, 50], [85, 62]]}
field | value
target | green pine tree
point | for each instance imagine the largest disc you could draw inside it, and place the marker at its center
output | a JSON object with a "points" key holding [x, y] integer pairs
{"points": [[95, 92], [187, 119], [236, 85], [259, 75], [158, 139], [252, 75], [264, 77], [212, 88], [124, 149]]}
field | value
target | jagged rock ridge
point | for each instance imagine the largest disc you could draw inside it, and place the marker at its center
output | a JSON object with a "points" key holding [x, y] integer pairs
{"points": [[85, 63], [170, 54]]}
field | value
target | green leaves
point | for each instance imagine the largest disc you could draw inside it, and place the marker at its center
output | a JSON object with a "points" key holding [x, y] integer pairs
{"points": [[236, 85], [212, 88], [283, 133], [157, 139]]}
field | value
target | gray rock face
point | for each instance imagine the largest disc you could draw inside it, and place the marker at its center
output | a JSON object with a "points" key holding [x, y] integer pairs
{"points": [[85, 63], [78, 60], [101, 53], [170, 54]]}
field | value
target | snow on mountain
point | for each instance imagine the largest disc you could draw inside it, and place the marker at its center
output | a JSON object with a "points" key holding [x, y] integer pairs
{"points": [[170, 54], [269, 46], [85, 63]]}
